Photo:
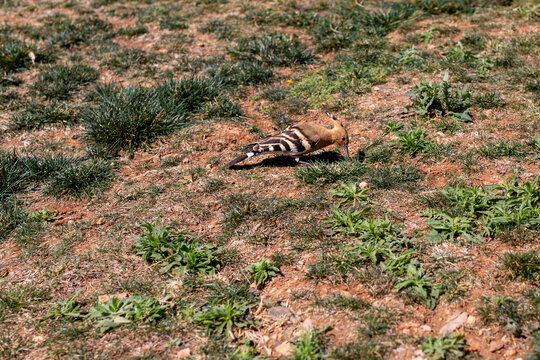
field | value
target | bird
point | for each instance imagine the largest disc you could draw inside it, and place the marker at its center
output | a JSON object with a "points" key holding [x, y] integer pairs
{"points": [[300, 139]]}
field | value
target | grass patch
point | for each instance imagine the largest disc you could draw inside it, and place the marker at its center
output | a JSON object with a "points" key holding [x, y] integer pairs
{"points": [[374, 340], [321, 173], [222, 30], [64, 32], [14, 55], [523, 266], [497, 149], [277, 49], [241, 73], [61, 81], [124, 119], [85, 178], [37, 115], [445, 6], [511, 314], [12, 215], [20, 297], [128, 59], [226, 308], [393, 177]]}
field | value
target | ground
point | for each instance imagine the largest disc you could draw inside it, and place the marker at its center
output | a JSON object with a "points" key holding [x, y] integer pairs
{"points": [[123, 234]]}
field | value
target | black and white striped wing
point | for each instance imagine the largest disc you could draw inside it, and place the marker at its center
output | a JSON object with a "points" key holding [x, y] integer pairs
{"points": [[293, 141]]}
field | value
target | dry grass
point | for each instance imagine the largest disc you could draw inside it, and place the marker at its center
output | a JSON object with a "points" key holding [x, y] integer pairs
{"points": [[348, 272]]}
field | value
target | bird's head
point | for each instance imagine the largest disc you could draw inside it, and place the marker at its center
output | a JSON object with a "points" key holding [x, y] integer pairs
{"points": [[341, 137]]}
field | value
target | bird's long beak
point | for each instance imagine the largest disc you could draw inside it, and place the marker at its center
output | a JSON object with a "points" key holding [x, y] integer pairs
{"points": [[346, 149]]}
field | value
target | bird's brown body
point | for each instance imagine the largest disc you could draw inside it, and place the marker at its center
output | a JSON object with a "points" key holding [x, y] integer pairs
{"points": [[298, 140]]}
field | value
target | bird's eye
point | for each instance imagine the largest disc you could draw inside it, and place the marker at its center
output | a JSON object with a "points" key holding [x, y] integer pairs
{"points": [[343, 138]]}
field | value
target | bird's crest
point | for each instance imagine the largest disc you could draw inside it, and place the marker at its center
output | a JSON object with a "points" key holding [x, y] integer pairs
{"points": [[334, 119]]}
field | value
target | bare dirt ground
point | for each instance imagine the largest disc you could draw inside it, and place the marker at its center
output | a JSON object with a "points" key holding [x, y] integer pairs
{"points": [[264, 208]]}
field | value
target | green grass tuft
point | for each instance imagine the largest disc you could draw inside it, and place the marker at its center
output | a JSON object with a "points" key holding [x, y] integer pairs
{"points": [[320, 173], [61, 81], [86, 178], [124, 119], [14, 55], [37, 115], [277, 49], [525, 266]]}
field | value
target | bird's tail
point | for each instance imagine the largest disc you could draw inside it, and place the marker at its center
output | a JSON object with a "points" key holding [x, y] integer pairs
{"points": [[242, 158]]}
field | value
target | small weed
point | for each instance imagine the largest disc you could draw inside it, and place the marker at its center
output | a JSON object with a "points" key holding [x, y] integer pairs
{"points": [[61, 81], [447, 347], [42, 215], [448, 228], [67, 308], [350, 193], [176, 252], [262, 271], [413, 141], [419, 286], [116, 312], [310, 346], [524, 266], [441, 99], [392, 126], [221, 318]]}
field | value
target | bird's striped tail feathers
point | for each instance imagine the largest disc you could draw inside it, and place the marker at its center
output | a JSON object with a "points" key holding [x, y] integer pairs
{"points": [[242, 158]]}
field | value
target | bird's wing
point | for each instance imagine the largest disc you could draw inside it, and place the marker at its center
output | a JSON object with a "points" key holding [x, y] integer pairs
{"points": [[295, 140]]}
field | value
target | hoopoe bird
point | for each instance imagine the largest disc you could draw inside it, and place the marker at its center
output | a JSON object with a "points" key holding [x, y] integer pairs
{"points": [[298, 140]]}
